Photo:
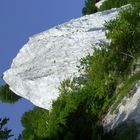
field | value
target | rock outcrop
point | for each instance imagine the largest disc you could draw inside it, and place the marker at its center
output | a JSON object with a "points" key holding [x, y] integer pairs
{"points": [[52, 56], [127, 111]]}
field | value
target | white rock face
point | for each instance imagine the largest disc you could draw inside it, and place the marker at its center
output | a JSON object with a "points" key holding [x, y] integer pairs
{"points": [[128, 110], [52, 56]]}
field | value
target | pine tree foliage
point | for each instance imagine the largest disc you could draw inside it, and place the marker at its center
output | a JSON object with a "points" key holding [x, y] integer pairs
{"points": [[108, 4], [35, 124], [6, 95], [4, 131], [89, 7]]}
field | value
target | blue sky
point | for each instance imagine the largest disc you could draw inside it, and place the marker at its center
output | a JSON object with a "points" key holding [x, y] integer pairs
{"points": [[20, 19]]}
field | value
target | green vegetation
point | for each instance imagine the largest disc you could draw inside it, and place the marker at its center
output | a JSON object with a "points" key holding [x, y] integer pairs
{"points": [[108, 4], [72, 117], [6, 95], [4, 131], [89, 7], [35, 124], [84, 100]]}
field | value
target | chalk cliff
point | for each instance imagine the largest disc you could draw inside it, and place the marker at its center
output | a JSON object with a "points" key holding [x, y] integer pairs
{"points": [[53, 55]]}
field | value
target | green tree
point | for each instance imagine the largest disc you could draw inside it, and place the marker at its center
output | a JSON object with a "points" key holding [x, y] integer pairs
{"points": [[89, 7], [6, 95], [108, 4], [35, 124], [4, 131]]}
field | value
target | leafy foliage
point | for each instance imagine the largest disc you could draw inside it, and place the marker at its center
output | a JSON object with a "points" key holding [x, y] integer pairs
{"points": [[6, 95], [89, 7]]}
